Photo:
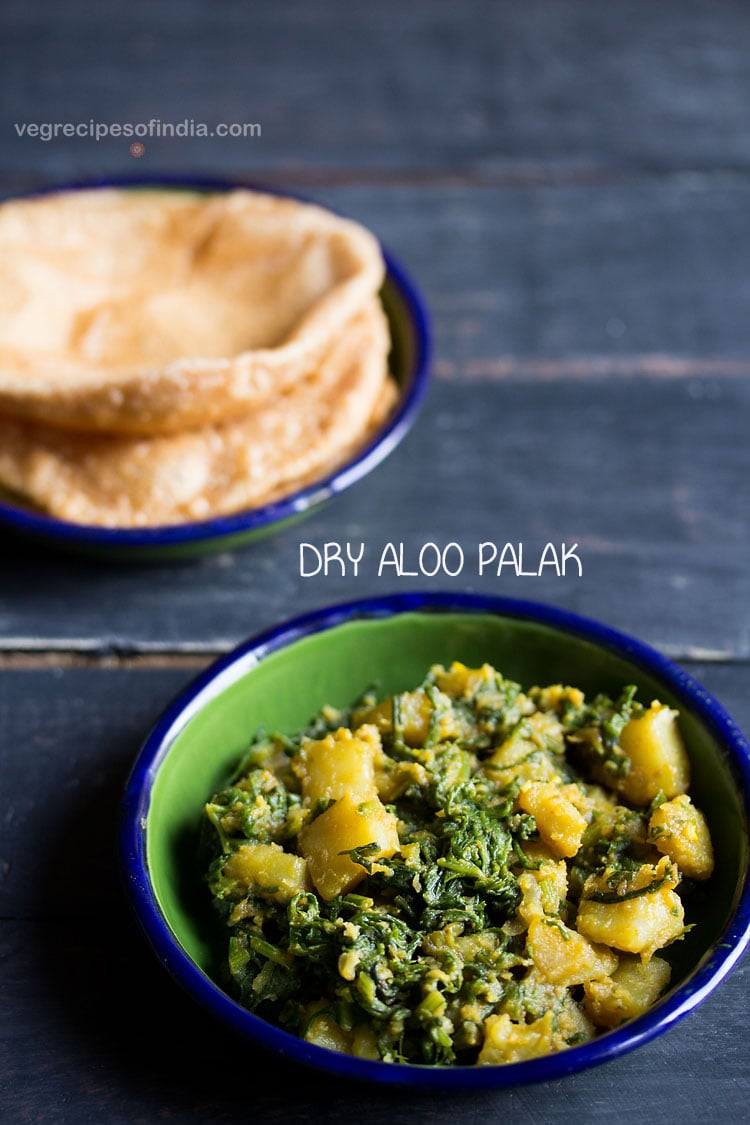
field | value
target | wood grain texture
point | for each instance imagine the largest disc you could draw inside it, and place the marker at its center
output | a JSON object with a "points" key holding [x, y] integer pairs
{"points": [[649, 477], [69, 739], [92, 1029], [619, 273], [540, 88]]}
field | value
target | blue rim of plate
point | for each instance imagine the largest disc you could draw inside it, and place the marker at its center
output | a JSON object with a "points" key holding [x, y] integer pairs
{"points": [[297, 503], [716, 964]]}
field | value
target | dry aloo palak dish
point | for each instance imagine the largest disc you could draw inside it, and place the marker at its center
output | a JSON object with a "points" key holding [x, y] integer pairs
{"points": [[169, 356], [466, 873]]}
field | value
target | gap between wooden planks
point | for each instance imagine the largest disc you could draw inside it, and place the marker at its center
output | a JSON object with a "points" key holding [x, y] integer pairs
{"points": [[33, 659], [39, 659], [520, 174], [654, 365]]}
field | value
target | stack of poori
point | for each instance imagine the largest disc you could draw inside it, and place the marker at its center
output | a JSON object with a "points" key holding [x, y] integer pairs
{"points": [[167, 356]]}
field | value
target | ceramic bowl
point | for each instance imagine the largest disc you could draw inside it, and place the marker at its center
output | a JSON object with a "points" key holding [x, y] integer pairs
{"points": [[280, 679], [409, 362]]}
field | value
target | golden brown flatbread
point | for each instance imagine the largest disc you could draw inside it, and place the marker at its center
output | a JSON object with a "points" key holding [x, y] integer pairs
{"points": [[142, 482], [137, 311]]}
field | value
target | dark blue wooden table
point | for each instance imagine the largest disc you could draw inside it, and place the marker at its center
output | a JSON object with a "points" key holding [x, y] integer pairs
{"points": [[570, 183]]}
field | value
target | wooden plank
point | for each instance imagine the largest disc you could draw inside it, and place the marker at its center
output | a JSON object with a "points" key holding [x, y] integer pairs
{"points": [[649, 477], [618, 274], [536, 89], [91, 1028], [67, 740]]}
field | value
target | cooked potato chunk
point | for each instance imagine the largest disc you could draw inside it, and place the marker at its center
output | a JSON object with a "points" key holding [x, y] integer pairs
{"points": [[641, 915], [364, 1043], [344, 826], [557, 697], [590, 800], [508, 1042], [460, 682], [338, 764], [323, 1030], [269, 871], [544, 888], [415, 713], [658, 759], [563, 956], [679, 830], [560, 824], [629, 992], [379, 715]]}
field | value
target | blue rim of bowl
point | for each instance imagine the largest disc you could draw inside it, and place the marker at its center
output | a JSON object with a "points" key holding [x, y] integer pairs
{"points": [[297, 503], [715, 965]]}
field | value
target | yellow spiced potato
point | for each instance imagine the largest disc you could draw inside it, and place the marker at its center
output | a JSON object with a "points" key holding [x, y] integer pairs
{"points": [[346, 825], [544, 888], [679, 831], [459, 681], [337, 765], [269, 871], [563, 956], [560, 824], [364, 1044], [323, 1030], [637, 914], [658, 759], [632, 989], [465, 873], [414, 717], [508, 1042], [414, 713]]}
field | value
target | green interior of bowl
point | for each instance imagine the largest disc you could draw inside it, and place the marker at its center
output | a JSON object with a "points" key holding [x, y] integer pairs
{"points": [[286, 689]]}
